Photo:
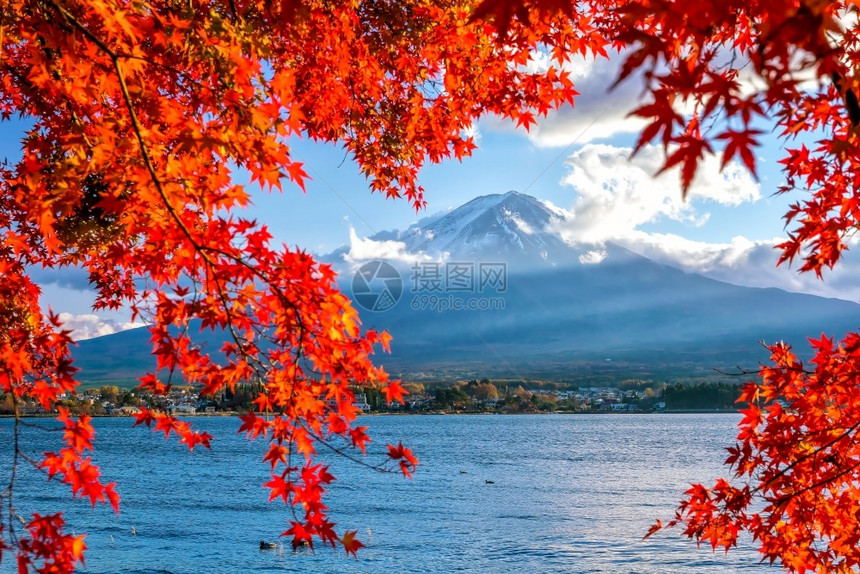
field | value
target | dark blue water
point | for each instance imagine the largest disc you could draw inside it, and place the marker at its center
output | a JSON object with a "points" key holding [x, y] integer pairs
{"points": [[571, 493]]}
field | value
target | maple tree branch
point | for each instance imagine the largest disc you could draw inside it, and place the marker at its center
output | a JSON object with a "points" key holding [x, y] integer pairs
{"points": [[39, 427], [240, 342], [198, 247], [783, 499], [805, 457], [263, 277], [741, 372], [135, 123], [32, 91], [848, 97], [33, 462], [2, 27], [341, 452], [291, 496], [9, 491]]}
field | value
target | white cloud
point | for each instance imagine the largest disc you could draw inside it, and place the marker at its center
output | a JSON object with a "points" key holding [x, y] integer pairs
{"points": [[592, 257], [598, 113], [617, 193], [745, 262], [519, 222], [602, 111], [89, 326], [366, 249]]}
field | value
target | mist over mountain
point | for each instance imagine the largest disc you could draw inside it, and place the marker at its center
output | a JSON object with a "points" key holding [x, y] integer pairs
{"points": [[490, 289]]}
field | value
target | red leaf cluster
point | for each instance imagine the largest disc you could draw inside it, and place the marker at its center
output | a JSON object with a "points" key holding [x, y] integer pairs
{"points": [[75, 470], [795, 467], [47, 549], [404, 457]]}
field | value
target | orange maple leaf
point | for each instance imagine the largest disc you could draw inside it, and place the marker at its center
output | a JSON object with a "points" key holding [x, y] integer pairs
{"points": [[350, 543]]}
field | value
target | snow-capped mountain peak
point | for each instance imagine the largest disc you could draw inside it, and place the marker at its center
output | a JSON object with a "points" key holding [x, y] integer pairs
{"points": [[512, 228], [511, 225]]}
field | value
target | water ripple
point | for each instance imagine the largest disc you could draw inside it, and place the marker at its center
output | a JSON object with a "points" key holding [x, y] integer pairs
{"points": [[569, 494]]}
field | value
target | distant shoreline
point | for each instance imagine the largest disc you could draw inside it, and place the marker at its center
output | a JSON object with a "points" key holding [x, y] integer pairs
{"points": [[438, 413]]}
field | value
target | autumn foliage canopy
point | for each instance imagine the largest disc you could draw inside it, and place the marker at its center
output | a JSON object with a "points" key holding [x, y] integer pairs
{"points": [[143, 112]]}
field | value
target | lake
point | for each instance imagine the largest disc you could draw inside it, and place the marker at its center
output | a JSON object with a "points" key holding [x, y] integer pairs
{"points": [[569, 493]]}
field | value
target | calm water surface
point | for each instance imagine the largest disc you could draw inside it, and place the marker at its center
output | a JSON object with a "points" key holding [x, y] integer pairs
{"points": [[570, 493]]}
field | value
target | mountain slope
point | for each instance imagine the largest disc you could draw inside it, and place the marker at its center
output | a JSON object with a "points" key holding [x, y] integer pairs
{"points": [[512, 225], [552, 309], [571, 307], [629, 316]]}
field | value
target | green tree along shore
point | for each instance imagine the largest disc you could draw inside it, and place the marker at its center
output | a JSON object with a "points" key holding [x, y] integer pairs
{"points": [[473, 396]]}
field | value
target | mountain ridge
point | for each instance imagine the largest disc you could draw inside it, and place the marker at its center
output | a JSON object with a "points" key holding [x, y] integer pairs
{"points": [[572, 303], [565, 310]]}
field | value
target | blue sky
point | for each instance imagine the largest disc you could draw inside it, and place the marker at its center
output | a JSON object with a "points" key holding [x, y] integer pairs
{"points": [[338, 196], [577, 159]]}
